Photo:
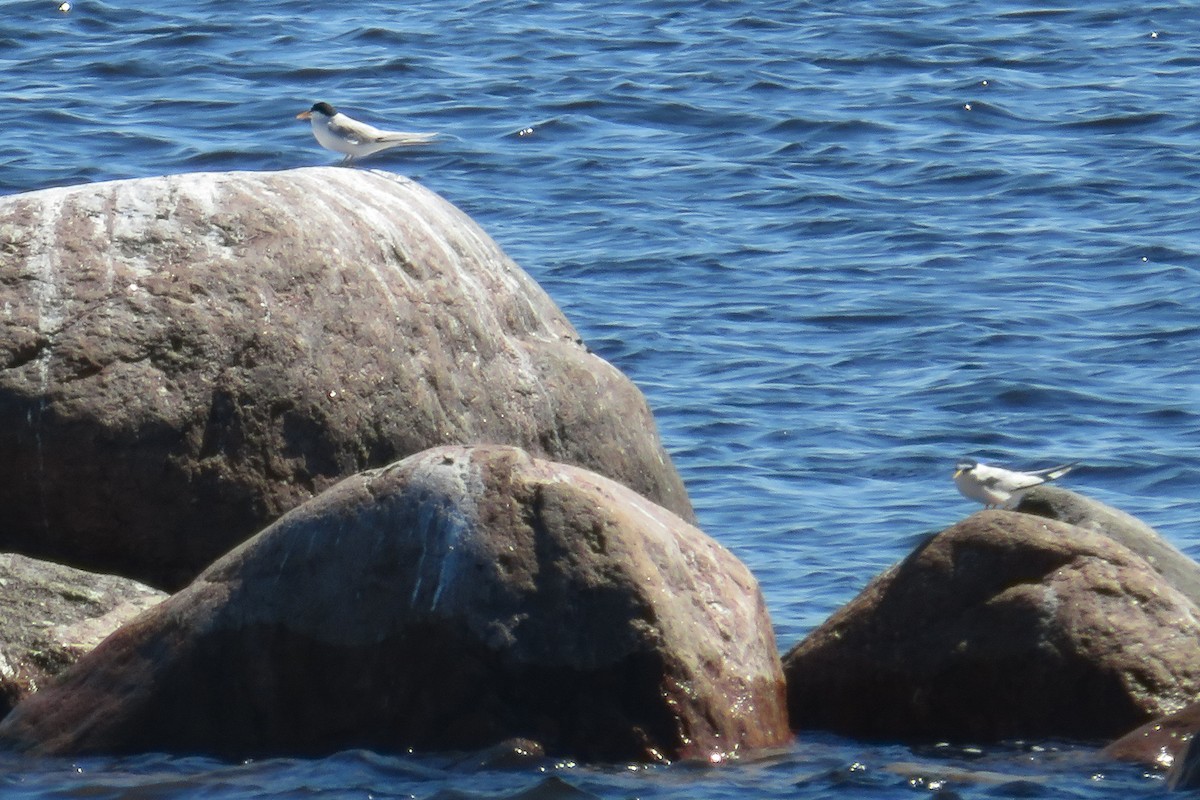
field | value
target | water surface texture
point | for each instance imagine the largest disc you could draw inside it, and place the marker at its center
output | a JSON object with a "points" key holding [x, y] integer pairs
{"points": [[837, 246]]}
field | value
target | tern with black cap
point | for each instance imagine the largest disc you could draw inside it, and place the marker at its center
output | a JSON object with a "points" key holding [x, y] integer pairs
{"points": [[342, 134], [993, 485]]}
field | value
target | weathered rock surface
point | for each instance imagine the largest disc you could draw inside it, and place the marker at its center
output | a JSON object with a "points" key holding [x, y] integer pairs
{"points": [[1075, 509], [182, 359], [1005, 625], [53, 615], [455, 599]]}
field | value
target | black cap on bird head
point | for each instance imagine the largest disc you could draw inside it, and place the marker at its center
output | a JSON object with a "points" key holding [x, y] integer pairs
{"points": [[323, 108]]}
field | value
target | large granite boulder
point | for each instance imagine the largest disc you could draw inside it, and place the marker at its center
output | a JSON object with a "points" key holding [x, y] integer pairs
{"points": [[53, 615], [452, 600], [1005, 625], [182, 359]]}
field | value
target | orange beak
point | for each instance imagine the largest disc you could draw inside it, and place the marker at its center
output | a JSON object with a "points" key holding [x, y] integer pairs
{"points": [[304, 115]]}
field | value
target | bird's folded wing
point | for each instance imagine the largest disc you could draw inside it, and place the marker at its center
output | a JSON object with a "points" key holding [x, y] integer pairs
{"points": [[1012, 481], [355, 133]]}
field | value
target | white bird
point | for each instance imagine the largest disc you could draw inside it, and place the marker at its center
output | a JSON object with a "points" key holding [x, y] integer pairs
{"points": [[335, 131], [995, 485]]}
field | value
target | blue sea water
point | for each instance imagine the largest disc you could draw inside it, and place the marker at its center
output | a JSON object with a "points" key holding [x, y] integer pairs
{"points": [[836, 245]]}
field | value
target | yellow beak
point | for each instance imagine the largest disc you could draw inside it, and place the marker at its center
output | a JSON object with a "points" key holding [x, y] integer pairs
{"points": [[304, 115]]}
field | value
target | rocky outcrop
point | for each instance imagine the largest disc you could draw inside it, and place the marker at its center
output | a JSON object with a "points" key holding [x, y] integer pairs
{"points": [[1005, 625], [1083, 512], [53, 615], [1163, 742], [453, 600], [182, 359]]}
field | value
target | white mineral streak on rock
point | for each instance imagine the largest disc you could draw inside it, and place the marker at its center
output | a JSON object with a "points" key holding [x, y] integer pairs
{"points": [[537, 390], [470, 249], [44, 262], [333, 192], [443, 526], [6, 669], [477, 247], [207, 190], [134, 204], [209, 193]]}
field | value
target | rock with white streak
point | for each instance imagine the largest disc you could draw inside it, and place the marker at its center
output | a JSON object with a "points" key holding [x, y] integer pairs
{"points": [[185, 358], [456, 599]]}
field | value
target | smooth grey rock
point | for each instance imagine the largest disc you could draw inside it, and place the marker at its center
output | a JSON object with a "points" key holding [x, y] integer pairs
{"points": [[1053, 502]]}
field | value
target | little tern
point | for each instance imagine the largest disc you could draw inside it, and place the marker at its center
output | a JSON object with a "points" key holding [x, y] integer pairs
{"points": [[342, 134], [992, 485]]}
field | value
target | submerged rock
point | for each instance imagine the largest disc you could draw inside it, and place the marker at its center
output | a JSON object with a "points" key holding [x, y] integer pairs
{"points": [[1006, 625], [1159, 742], [184, 358], [1185, 774], [453, 600], [53, 615]]}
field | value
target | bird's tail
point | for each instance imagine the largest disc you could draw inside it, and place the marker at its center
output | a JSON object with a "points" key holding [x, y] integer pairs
{"points": [[405, 139], [1053, 473]]}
